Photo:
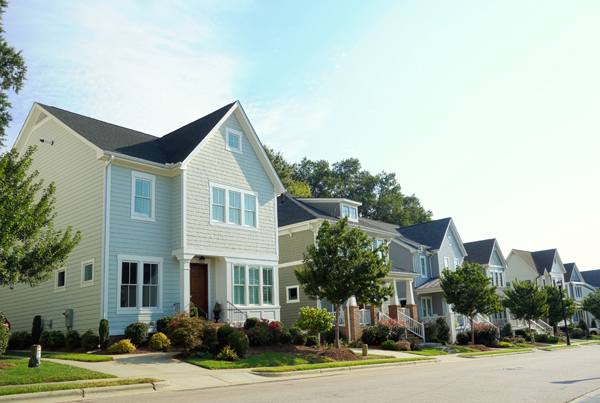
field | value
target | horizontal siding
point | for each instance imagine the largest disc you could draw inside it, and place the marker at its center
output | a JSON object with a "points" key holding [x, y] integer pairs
{"points": [[401, 257], [289, 312], [79, 180], [292, 247], [176, 199]]}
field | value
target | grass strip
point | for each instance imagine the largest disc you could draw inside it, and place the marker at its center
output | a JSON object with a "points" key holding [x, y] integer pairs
{"points": [[16, 390], [515, 350], [337, 365], [262, 360], [464, 349], [66, 356], [525, 345], [428, 352], [587, 343], [48, 372], [556, 347]]}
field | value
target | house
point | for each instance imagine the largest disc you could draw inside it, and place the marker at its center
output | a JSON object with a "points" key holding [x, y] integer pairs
{"points": [[488, 254], [577, 288], [189, 216], [591, 277], [299, 221]]}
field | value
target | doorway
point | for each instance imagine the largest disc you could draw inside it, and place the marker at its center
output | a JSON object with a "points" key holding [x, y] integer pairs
{"points": [[199, 287]]}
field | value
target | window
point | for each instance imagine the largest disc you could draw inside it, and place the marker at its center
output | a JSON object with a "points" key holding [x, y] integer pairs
{"points": [[456, 263], [501, 279], [345, 211], [544, 282], [253, 285], [449, 240], [87, 273], [497, 279], [508, 284], [426, 306], [140, 283], [353, 213], [423, 266], [228, 203], [293, 293], [239, 285], [446, 263], [234, 140], [268, 285], [142, 203], [578, 293], [350, 211], [259, 285], [61, 279]]}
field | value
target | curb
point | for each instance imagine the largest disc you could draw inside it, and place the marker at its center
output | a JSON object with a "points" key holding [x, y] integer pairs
{"points": [[495, 355], [326, 371], [559, 349]]}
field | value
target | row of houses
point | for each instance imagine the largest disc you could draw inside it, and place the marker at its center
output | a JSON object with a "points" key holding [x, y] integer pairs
{"points": [[200, 216]]}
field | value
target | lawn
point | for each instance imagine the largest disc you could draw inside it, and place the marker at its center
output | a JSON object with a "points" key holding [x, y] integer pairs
{"points": [[465, 349], [270, 359], [48, 372], [65, 356], [557, 347], [338, 364], [429, 352], [526, 345], [45, 387], [496, 352]]}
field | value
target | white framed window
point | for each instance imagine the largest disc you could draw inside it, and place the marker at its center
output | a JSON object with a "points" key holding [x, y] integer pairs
{"points": [[267, 286], [253, 285], [234, 140], [87, 273], [139, 284], [227, 205], [578, 293], [350, 211], [60, 279], [501, 279], [239, 285], [449, 240], [426, 306], [142, 196], [446, 263], [456, 263], [292, 294], [423, 266], [497, 275]]}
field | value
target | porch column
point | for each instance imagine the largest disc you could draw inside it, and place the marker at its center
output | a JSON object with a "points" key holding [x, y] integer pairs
{"points": [[184, 281], [451, 324], [395, 294], [410, 300]]}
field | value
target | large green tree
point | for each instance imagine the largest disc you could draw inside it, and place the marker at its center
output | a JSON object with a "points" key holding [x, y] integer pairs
{"points": [[12, 75], [555, 309], [30, 248], [285, 171], [591, 303], [526, 301], [342, 264], [470, 292]]}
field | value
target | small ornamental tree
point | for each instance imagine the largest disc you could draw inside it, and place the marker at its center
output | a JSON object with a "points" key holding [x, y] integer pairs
{"points": [[591, 303], [343, 263], [314, 320], [470, 292], [555, 309], [526, 301]]}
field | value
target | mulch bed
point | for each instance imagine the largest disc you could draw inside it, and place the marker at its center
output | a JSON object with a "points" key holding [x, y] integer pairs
{"points": [[6, 365], [480, 347]]}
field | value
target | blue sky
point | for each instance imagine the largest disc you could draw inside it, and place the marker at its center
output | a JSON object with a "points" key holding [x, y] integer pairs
{"points": [[487, 111]]}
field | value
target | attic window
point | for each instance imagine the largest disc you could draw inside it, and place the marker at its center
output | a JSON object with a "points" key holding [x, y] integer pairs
{"points": [[234, 140], [350, 212]]}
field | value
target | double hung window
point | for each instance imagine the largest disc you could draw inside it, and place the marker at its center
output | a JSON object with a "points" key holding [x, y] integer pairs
{"points": [[350, 211], [426, 306], [143, 191], [233, 207], [239, 285], [60, 283], [253, 285], [140, 283], [423, 266], [234, 140]]}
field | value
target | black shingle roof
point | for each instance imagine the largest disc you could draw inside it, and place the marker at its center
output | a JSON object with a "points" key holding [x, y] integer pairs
{"points": [[592, 277], [569, 268], [172, 148], [543, 260], [430, 233], [480, 251]]}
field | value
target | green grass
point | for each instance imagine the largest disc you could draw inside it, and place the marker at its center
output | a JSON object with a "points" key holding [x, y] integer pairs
{"points": [[515, 350], [428, 352], [589, 343], [262, 360], [525, 345], [65, 356], [337, 364], [556, 347], [15, 390], [48, 372], [465, 349], [594, 337]]}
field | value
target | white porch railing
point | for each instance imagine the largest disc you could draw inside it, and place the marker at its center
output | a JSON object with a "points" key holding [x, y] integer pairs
{"points": [[342, 317], [546, 327], [364, 317], [414, 326], [429, 319], [382, 317]]}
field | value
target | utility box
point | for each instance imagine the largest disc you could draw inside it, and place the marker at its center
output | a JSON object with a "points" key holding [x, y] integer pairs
{"points": [[35, 356], [68, 318]]}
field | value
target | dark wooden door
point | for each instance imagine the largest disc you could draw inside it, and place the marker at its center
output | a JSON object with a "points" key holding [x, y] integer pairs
{"points": [[199, 286]]}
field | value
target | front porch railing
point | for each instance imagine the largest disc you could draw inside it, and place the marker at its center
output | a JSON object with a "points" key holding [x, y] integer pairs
{"points": [[364, 317], [235, 317], [546, 328], [414, 326], [382, 317], [342, 317]]}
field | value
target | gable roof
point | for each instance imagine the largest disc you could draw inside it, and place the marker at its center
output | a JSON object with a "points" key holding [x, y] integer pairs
{"points": [[538, 261], [569, 268], [480, 251], [592, 277], [430, 233]]}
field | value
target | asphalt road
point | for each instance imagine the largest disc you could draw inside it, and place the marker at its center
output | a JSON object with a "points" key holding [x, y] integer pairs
{"points": [[556, 376]]}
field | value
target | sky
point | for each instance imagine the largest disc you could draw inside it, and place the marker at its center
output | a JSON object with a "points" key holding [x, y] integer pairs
{"points": [[486, 111]]}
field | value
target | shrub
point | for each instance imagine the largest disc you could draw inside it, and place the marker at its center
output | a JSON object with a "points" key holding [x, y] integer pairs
{"points": [[122, 347], [137, 332], [163, 323], [194, 312], [388, 345], [522, 332], [485, 333], [463, 338], [294, 330], [258, 336], [223, 333], [286, 337], [275, 330], [314, 320], [4, 334], [210, 341], [186, 332], [506, 330], [369, 335], [250, 323], [227, 354], [582, 325], [402, 345], [413, 344], [576, 333], [312, 341], [355, 344], [103, 334], [594, 324], [328, 337], [239, 343], [19, 341], [299, 340], [392, 330], [553, 339], [89, 341], [541, 338], [204, 355], [36, 329], [159, 341], [73, 339], [52, 339], [504, 344], [431, 331], [443, 332]]}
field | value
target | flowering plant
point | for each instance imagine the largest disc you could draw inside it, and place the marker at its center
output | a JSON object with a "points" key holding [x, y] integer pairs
{"points": [[4, 333]]}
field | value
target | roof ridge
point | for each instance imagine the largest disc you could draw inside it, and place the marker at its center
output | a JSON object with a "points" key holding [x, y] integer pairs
{"points": [[427, 222]]}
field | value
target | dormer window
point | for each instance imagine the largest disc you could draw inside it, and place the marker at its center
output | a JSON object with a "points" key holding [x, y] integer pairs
{"points": [[350, 212], [234, 140]]}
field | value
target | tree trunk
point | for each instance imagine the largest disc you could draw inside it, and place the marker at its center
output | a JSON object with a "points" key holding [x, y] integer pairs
{"points": [[472, 331], [337, 326], [531, 338]]}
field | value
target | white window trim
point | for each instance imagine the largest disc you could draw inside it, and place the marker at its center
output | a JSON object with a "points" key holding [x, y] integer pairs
{"points": [[274, 286], [237, 133], [243, 192], [423, 305], [421, 266], [140, 260], [350, 207], [456, 263], [89, 282], [56, 287], [152, 178], [446, 263], [287, 294]]}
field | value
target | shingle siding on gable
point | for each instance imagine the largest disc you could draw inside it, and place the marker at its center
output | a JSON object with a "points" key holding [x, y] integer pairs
{"points": [[214, 163], [292, 248], [79, 180], [449, 251], [496, 259]]}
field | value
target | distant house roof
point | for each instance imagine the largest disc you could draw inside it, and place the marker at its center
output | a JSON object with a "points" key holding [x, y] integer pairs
{"points": [[569, 268], [540, 260], [429, 233], [592, 277], [480, 251], [433, 283], [171, 148]]}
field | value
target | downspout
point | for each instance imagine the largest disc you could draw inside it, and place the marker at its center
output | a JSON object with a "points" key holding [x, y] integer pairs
{"points": [[104, 291], [348, 322]]}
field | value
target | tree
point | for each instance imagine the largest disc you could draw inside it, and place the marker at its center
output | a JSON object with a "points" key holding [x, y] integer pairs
{"points": [[313, 320], [12, 75], [555, 309], [526, 301], [285, 172], [343, 264], [30, 248], [591, 303], [470, 292]]}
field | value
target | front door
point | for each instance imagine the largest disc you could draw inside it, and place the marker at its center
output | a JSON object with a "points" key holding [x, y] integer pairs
{"points": [[199, 286]]}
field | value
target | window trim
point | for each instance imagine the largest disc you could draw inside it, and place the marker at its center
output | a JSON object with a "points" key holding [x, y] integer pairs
{"points": [[446, 263], [243, 193], [238, 134], [62, 288], [456, 263], [140, 260], [423, 267], [350, 209], [287, 294], [423, 305], [84, 282], [261, 267], [149, 177]]}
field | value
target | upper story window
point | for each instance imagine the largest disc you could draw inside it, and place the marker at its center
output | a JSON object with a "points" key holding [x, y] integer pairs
{"points": [[350, 211], [233, 207], [456, 263], [423, 266], [578, 293], [60, 283], [446, 263], [450, 240], [234, 140], [142, 196], [87, 273]]}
